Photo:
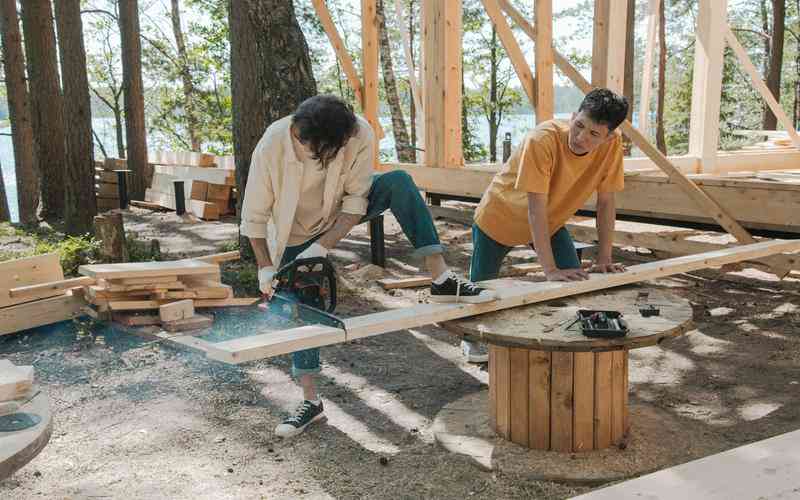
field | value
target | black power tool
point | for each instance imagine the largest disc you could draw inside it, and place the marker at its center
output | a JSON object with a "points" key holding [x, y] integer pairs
{"points": [[305, 291]]}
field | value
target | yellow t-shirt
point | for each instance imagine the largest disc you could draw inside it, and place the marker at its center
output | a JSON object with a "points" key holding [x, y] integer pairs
{"points": [[543, 163]]}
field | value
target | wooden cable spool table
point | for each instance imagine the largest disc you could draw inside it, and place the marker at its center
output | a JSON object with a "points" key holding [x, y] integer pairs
{"points": [[20, 447], [550, 387]]}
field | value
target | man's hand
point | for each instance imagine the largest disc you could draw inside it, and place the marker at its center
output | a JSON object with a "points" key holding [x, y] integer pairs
{"points": [[266, 275], [314, 250], [566, 275], [606, 267]]}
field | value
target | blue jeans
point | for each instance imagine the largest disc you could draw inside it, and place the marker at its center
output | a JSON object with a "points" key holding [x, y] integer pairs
{"points": [[397, 192], [488, 255]]}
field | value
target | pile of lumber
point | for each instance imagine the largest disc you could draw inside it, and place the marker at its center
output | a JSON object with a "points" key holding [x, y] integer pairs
{"points": [[167, 292], [16, 384], [105, 183], [207, 189]]}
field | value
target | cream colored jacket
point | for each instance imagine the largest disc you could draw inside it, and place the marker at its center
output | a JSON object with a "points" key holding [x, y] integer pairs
{"points": [[272, 194]]}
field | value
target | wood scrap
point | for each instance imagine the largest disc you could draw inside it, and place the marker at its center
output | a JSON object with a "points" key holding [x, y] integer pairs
{"points": [[131, 319], [15, 381], [45, 289], [196, 322], [175, 311]]}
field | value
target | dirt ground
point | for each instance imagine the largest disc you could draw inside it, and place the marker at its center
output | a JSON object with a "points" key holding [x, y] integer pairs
{"points": [[137, 419]]}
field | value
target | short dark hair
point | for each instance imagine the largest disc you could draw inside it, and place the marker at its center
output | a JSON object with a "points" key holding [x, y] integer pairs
{"points": [[605, 107], [325, 123]]}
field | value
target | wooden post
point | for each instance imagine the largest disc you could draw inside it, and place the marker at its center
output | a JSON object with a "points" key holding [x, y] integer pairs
{"points": [[369, 57], [712, 19], [647, 69], [441, 32], [544, 61], [608, 48]]}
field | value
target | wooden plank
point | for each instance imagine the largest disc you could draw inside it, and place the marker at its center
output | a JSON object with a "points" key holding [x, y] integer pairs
{"points": [[503, 391], [45, 289], [653, 13], [131, 319], [519, 395], [218, 258], [174, 311], [618, 408], [583, 425], [104, 176], [342, 54], [602, 400], [539, 411], [544, 102], [196, 322], [492, 386], [219, 192], [512, 48], [41, 312], [216, 292], [760, 86], [233, 302], [105, 190], [304, 337], [764, 469], [709, 52], [204, 209], [133, 305], [509, 295], [196, 174], [147, 269], [154, 287], [561, 404], [28, 271], [149, 280], [369, 65], [199, 190], [419, 281]]}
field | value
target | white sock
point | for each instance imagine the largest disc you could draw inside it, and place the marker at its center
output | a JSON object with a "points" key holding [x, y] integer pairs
{"points": [[443, 277], [315, 402]]}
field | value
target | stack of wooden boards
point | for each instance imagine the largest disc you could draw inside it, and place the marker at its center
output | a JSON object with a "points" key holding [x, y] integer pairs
{"points": [[33, 292], [207, 189], [16, 384], [172, 289], [105, 183]]}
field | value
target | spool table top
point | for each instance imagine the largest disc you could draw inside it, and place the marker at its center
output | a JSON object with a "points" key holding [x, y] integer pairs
{"points": [[546, 326], [17, 448]]}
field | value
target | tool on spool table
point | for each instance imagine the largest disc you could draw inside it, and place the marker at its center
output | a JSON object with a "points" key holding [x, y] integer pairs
{"points": [[305, 290], [646, 309], [603, 324]]}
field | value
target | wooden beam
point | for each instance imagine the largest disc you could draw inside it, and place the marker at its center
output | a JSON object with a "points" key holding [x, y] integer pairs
{"points": [[40, 312], [510, 294], [369, 61], [544, 103], [608, 44], [219, 257], [759, 84], [342, 54], [148, 269], [647, 68], [709, 54], [512, 49], [441, 32], [46, 289]]}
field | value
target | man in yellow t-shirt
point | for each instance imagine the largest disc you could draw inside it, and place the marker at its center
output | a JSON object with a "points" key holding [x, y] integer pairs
{"points": [[549, 176]]}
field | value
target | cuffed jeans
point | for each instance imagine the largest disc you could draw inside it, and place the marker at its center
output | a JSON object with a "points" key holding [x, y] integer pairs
{"points": [[488, 255], [394, 191]]}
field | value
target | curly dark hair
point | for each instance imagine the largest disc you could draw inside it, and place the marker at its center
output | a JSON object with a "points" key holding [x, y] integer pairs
{"points": [[605, 107], [324, 123]]}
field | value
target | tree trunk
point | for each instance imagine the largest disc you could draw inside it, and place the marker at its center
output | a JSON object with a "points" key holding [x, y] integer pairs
{"points": [[271, 74], [493, 104], [135, 132], [661, 141], [412, 112], [81, 204], [630, 45], [19, 113], [186, 78], [5, 214], [110, 230], [765, 39], [47, 106], [775, 60], [401, 142]]}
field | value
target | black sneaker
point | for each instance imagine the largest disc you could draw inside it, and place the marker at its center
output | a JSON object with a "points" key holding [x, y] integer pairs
{"points": [[307, 413], [456, 289]]}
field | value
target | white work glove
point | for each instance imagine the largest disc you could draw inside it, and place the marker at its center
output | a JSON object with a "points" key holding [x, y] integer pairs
{"points": [[314, 250], [266, 275]]}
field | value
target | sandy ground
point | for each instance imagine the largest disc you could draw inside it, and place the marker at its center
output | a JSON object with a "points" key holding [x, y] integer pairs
{"points": [[136, 419]]}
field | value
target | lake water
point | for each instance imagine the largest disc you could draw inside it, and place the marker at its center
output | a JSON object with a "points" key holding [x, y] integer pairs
{"points": [[517, 125]]}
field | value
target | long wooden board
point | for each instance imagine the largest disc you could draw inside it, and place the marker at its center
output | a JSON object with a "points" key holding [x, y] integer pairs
{"points": [[147, 269], [29, 271], [510, 294], [40, 312]]}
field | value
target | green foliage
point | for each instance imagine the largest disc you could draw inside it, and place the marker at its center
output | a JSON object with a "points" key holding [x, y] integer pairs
{"points": [[243, 277], [140, 250], [73, 251]]}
